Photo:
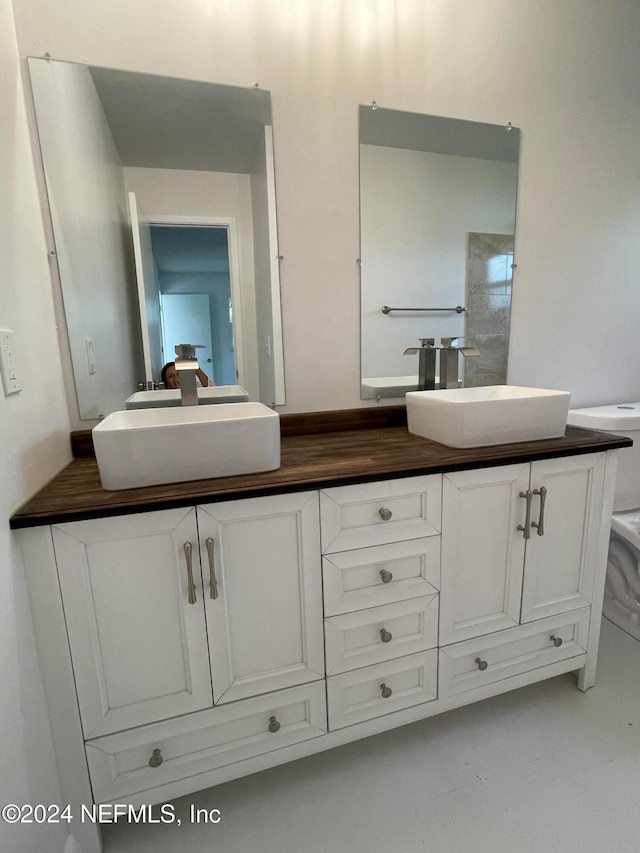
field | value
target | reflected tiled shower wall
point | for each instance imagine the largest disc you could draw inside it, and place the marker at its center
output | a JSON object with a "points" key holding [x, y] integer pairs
{"points": [[488, 303]]}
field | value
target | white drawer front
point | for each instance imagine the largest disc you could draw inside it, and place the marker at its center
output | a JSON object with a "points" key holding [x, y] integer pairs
{"points": [[382, 574], [511, 652], [119, 764], [354, 697], [381, 633], [374, 513]]}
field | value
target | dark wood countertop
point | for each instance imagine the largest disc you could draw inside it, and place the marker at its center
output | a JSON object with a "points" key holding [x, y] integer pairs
{"points": [[315, 453]]}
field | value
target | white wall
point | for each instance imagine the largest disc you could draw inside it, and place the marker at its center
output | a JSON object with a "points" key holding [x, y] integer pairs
{"points": [[566, 73], [417, 209], [35, 443]]}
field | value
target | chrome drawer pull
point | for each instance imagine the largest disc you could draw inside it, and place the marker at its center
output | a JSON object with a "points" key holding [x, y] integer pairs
{"points": [[557, 641], [274, 725], [188, 548], [386, 691], [542, 491], [482, 664], [156, 758], [212, 568], [384, 513], [386, 576], [386, 636], [527, 521]]}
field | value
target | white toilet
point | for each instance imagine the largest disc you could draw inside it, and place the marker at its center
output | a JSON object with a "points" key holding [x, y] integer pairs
{"points": [[622, 587]]}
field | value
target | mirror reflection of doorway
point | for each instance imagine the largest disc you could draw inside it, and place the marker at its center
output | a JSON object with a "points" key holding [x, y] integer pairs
{"points": [[194, 286]]}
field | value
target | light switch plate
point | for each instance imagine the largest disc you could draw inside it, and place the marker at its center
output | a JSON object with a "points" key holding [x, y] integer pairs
{"points": [[91, 360], [8, 367]]}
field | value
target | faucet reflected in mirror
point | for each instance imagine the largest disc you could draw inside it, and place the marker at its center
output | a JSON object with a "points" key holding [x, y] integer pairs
{"points": [[450, 363], [186, 367], [449, 372], [426, 363]]}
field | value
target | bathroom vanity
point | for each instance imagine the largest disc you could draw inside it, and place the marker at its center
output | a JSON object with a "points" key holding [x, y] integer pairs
{"points": [[193, 634]]}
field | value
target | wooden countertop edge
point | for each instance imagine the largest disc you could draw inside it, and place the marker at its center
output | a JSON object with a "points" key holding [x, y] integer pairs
{"points": [[309, 461]]}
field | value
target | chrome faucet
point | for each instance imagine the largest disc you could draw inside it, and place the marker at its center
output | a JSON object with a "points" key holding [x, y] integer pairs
{"points": [[449, 361], [186, 366], [426, 363]]}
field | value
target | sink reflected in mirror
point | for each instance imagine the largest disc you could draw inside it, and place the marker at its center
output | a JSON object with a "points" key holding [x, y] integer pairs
{"points": [[494, 414], [375, 387], [171, 397], [149, 447]]}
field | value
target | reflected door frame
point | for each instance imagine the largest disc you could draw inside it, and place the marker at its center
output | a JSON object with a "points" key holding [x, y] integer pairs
{"points": [[230, 224]]}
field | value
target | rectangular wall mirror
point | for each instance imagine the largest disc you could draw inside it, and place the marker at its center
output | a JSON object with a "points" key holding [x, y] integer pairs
{"points": [[162, 201], [437, 225]]}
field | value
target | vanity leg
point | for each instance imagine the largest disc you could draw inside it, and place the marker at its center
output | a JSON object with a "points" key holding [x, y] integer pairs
{"points": [[59, 685], [587, 675]]}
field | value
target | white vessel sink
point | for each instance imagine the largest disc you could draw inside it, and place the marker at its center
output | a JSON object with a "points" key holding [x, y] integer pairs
{"points": [[495, 414], [149, 447], [171, 397]]}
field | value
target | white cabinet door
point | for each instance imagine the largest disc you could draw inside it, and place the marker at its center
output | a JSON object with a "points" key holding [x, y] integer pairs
{"points": [[561, 554], [482, 551], [135, 619], [261, 557], [494, 575]]}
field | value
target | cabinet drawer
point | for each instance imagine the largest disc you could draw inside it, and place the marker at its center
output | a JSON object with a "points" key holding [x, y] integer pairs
{"points": [[381, 633], [119, 764], [354, 697], [374, 513], [367, 577], [512, 652]]}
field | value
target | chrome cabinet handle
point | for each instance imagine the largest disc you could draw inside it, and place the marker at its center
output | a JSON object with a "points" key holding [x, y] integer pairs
{"points": [[527, 521], [539, 525], [156, 758], [386, 576], [213, 583], [386, 636], [274, 725], [384, 513], [188, 549], [482, 664], [386, 691], [557, 641]]}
